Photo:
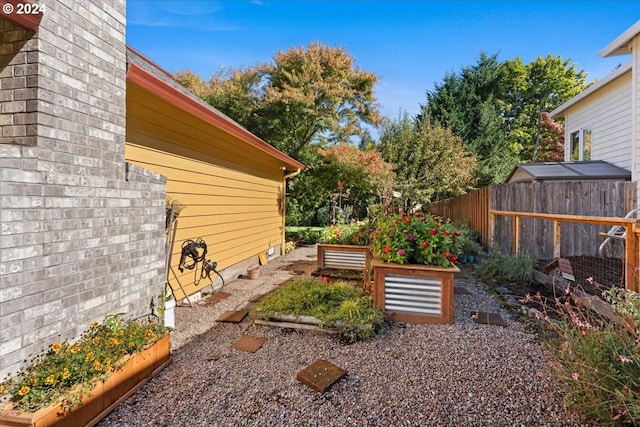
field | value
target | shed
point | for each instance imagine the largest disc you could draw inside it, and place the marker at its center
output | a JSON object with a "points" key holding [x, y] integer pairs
{"points": [[567, 171], [231, 182]]}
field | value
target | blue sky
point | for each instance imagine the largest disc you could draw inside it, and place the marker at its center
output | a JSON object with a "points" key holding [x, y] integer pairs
{"points": [[409, 45]]}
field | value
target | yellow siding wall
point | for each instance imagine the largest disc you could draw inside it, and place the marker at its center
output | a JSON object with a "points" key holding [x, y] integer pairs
{"points": [[231, 190]]}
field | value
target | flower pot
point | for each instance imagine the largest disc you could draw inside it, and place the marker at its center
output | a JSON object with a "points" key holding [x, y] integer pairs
{"points": [[105, 396], [414, 293], [344, 257], [170, 313], [253, 273]]}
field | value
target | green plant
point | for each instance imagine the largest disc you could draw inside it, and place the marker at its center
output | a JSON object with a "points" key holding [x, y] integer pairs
{"points": [[500, 267], [597, 360], [336, 304], [289, 246], [354, 233], [414, 238], [68, 370], [470, 241], [308, 235]]}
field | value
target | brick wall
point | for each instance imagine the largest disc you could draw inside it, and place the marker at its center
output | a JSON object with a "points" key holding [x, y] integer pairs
{"points": [[81, 231]]}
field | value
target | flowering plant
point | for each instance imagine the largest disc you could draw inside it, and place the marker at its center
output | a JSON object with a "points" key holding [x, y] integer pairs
{"points": [[417, 239], [355, 233], [67, 371]]}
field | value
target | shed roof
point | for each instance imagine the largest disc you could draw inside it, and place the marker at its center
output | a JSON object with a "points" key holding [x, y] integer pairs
{"points": [[148, 75], [567, 171]]}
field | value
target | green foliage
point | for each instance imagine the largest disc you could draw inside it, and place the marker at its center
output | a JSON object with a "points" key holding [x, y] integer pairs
{"points": [[597, 360], [57, 373], [417, 239], [430, 161], [306, 235], [504, 268], [355, 233], [496, 108], [336, 304], [470, 241]]}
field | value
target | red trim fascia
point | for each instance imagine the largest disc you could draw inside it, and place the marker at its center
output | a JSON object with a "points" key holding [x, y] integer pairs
{"points": [[29, 21], [146, 80]]}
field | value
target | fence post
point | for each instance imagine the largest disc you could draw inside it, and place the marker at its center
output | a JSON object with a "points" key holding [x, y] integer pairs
{"points": [[516, 235], [631, 259], [556, 239], [492, 230]]}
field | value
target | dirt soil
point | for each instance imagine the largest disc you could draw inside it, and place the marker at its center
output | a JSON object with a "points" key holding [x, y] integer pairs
{"points": [[302, 268]]}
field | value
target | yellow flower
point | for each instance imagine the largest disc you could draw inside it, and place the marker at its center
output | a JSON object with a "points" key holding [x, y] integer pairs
{"points": [[24, 390], [93, 325], [55, 347], [50, 380], [97, 365], [150, 334], [3, 388], [65, 374], [74, 349], [90, 356], [115, 341], [96, 340]]}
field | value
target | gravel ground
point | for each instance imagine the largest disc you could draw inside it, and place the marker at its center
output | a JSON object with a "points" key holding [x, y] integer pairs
{"points": [[409, 375]]}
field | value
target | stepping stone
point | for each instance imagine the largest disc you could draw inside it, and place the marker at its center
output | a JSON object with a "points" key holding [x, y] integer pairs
{"points": [[484, 318], [232, 316], [256, 298], [321, 375], [460, 290], [249, 343]]}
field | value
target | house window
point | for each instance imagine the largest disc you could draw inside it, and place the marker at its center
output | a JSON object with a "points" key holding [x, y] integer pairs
{"points": [[580, 145]]}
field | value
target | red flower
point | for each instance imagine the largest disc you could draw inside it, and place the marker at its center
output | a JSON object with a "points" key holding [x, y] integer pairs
{"points": [[387, 249], [425, 245], [453, 259], [433, 231], [456, 233], [436, 218], [407, 221], [446, 232], [404, 215], [446, 254]]}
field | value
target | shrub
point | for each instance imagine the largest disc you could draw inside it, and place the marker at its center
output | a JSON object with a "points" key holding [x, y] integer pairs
{"points": [[504, 268], [597, 359], [470, 241], [336, 304], [307, 235], [355, 233]]}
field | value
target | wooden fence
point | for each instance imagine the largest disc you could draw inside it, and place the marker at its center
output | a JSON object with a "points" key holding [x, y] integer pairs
{"points": [[584, 198], [471, 209]]}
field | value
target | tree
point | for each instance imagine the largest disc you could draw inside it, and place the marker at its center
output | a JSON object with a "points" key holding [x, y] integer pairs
{"points": [[303, 96], [430, 161], [496, 108]]}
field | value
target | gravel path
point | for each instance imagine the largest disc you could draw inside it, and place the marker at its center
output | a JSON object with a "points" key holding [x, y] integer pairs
{"points": [[409, 375]]}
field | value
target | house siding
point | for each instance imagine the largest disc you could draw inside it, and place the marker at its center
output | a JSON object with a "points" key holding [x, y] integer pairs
{"points": [[82, 232], [232, 192], [606, 112]]}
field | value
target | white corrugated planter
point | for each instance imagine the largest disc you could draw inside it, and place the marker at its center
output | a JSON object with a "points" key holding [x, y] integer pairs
{"points": [[414, 293], [343, 257]]}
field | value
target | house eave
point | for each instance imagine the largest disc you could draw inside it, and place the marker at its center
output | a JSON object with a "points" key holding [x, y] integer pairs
{"points": [[622, 44], [622, 70], [144, 73]]}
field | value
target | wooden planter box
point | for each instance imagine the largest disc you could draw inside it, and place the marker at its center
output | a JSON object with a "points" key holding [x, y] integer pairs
{"points": [[414, 293], [343, 257], [137, 370]]}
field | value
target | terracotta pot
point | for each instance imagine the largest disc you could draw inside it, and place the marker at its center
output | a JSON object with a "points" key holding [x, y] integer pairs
{"points": [[105, 396], [253, 273]]}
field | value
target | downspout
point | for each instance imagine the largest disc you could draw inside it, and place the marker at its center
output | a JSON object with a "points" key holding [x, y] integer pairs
{"points": [[284, 202]]}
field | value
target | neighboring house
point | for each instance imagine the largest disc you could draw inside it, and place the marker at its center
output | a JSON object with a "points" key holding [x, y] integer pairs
{"points": [[92, 139], [231, 183], [603, 122]]}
